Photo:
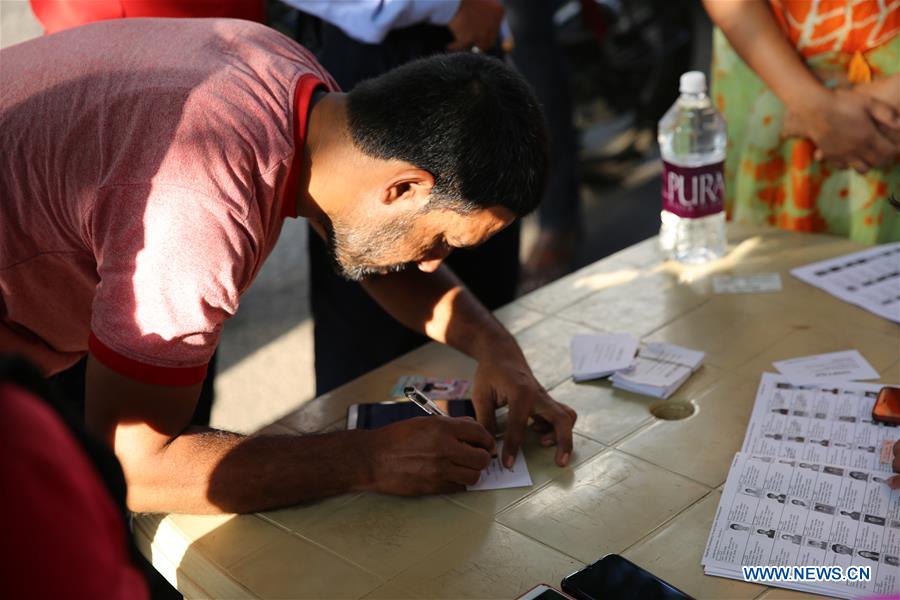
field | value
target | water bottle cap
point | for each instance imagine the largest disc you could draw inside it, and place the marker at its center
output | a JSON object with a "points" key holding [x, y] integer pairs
{"points": [[693, 82]]}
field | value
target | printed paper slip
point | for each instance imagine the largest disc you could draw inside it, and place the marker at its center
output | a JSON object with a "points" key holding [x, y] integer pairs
{"points": [[670, 353], [596, 356], [747, 284], [653, 374], [659, 370], [496, 477], [848, 365]]}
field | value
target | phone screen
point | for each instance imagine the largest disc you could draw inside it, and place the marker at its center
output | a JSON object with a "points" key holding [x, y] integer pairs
{"points": [[613, 577], [373, 416]]}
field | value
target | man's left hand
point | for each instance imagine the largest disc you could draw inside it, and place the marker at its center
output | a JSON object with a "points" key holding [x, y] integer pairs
{"points": [[508, 381]]}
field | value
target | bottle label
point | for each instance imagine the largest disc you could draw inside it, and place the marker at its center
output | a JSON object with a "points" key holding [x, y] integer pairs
{"points": [[693, 192]]}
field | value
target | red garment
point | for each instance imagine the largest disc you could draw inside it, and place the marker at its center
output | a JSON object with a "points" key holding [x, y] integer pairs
{"points": [[63, 536], [56, 15], [154, 163]]}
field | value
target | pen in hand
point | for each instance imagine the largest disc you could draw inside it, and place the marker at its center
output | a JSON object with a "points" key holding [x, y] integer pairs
{"points": [[425, 403]]}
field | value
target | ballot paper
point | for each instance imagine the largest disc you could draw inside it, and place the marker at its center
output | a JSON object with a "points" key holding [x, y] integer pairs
{"points": [[497, 477], [747, 284], [848, 365], [818, 423], [435, 389], [870, 279], [660, 369], [782, 512], [599, 355]]}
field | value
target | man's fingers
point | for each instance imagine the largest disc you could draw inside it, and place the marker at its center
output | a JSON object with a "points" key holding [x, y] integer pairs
{"points": [[563, 424], [458, 45], [485, 411], [474, 434], [462, 475], [515, 430], [540, 424], [470, 457], [487, 40]]}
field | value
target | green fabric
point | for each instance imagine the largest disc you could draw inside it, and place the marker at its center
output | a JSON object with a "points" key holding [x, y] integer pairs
{"points": [[767, 179]]}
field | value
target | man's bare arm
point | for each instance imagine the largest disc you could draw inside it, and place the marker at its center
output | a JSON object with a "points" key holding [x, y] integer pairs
{"points": [[438, 305], [171, 467]]}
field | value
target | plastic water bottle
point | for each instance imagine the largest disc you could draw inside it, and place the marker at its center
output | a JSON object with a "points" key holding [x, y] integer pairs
{"points": [[692, 138]]}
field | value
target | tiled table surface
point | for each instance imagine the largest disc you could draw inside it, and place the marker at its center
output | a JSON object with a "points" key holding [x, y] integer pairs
{"points": [[638, 486]]}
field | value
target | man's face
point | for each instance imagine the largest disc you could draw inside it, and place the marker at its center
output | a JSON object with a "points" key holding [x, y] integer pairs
{"points": [[365, 244]]}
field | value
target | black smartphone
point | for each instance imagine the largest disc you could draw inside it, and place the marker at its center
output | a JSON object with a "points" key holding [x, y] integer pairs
{"points": [[613, 577], [373, 416]]}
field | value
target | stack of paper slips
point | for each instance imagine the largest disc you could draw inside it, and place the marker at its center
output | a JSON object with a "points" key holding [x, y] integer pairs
{"points": [[600, 355], [659, 370]]}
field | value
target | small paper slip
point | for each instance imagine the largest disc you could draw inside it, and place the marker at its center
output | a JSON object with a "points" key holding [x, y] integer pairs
{"points": [[659, 371], [670, 353], [596, 356], [497, 477], [435, 389], [747, 284], [848, 365]]}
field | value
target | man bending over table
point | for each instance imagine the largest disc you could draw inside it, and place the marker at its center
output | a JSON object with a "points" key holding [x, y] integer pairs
{"points": [[148, 166]]}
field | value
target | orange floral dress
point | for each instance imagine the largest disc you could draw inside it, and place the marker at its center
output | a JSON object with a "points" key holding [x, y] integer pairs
{"points": [[772, 178]]}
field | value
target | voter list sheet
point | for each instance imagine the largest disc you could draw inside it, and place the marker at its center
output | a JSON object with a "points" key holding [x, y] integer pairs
{"points": [[870, 279], [821, 422], [785, 512]]}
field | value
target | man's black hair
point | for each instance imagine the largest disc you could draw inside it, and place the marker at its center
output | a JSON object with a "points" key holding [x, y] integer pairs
{"points": [[469, 120]]}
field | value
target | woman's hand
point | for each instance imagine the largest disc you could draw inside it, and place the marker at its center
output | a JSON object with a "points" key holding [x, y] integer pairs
{"points": [[847, 128], [887, 111]]}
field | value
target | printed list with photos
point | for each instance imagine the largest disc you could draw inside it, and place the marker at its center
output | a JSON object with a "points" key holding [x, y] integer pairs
{"points": [[782, 512], [869, 279], [827, 423]]}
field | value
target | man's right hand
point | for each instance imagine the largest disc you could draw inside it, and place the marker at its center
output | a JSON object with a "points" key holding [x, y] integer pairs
{"points": [[476, 24], [429, 455]]}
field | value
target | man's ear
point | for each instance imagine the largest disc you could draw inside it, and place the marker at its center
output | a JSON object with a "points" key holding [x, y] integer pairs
{"points": [[408, 185]]}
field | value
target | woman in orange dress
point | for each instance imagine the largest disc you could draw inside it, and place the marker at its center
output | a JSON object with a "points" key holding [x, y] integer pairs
{"points": [[811, 93]]}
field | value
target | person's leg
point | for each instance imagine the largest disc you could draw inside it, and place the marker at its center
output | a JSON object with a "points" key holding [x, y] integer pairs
{"points": [[540, 60]]}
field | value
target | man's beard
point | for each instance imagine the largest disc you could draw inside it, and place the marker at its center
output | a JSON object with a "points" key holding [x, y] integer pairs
{"points": [[355, 253]]}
